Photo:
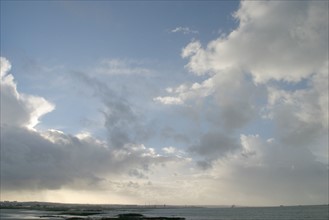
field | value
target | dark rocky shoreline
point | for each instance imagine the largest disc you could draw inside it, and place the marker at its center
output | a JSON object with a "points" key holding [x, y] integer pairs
{"points": [[88, 211], [127, 216], [131, 216]]}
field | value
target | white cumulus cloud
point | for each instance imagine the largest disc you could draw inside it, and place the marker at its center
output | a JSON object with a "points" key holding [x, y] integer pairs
{"points": [[281, 41], [18, 108]]}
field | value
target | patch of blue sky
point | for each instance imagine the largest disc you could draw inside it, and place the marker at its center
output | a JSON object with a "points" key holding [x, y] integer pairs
{"points": [[76, 34], [108, 29], [292, 86]]}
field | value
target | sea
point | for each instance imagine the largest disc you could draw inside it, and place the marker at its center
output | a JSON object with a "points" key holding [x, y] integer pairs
{"points": [[318, 212]]}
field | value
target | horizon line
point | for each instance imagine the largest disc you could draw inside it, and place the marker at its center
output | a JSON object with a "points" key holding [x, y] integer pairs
{"points": [[163, 205]]}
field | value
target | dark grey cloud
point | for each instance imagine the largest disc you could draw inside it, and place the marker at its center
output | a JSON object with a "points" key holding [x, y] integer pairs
{"points": [[29, 161], [236, 100], [204, 164], [213, 146], [34, 161], [137, 173]]}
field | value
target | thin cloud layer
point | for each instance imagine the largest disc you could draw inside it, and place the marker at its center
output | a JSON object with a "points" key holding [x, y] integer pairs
{"points": [[122, 67], [184, 30]]}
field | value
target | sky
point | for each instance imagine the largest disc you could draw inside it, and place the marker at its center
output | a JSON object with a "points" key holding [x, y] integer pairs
{"points": [[165, 102]]}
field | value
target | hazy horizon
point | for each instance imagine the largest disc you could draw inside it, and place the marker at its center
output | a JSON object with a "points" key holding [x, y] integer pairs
{"points": [[165, 102], [163, 205]]}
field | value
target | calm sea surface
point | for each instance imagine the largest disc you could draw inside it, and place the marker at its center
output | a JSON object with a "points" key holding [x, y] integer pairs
{"points": [[264, 213], [271, 213]]}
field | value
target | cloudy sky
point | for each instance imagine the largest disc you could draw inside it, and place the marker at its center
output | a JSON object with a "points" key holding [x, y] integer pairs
{"points": [[185, 102]]}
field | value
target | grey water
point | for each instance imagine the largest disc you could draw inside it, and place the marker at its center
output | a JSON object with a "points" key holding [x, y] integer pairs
{"points": [[23, 214], [261, 213], [320, 212]]}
